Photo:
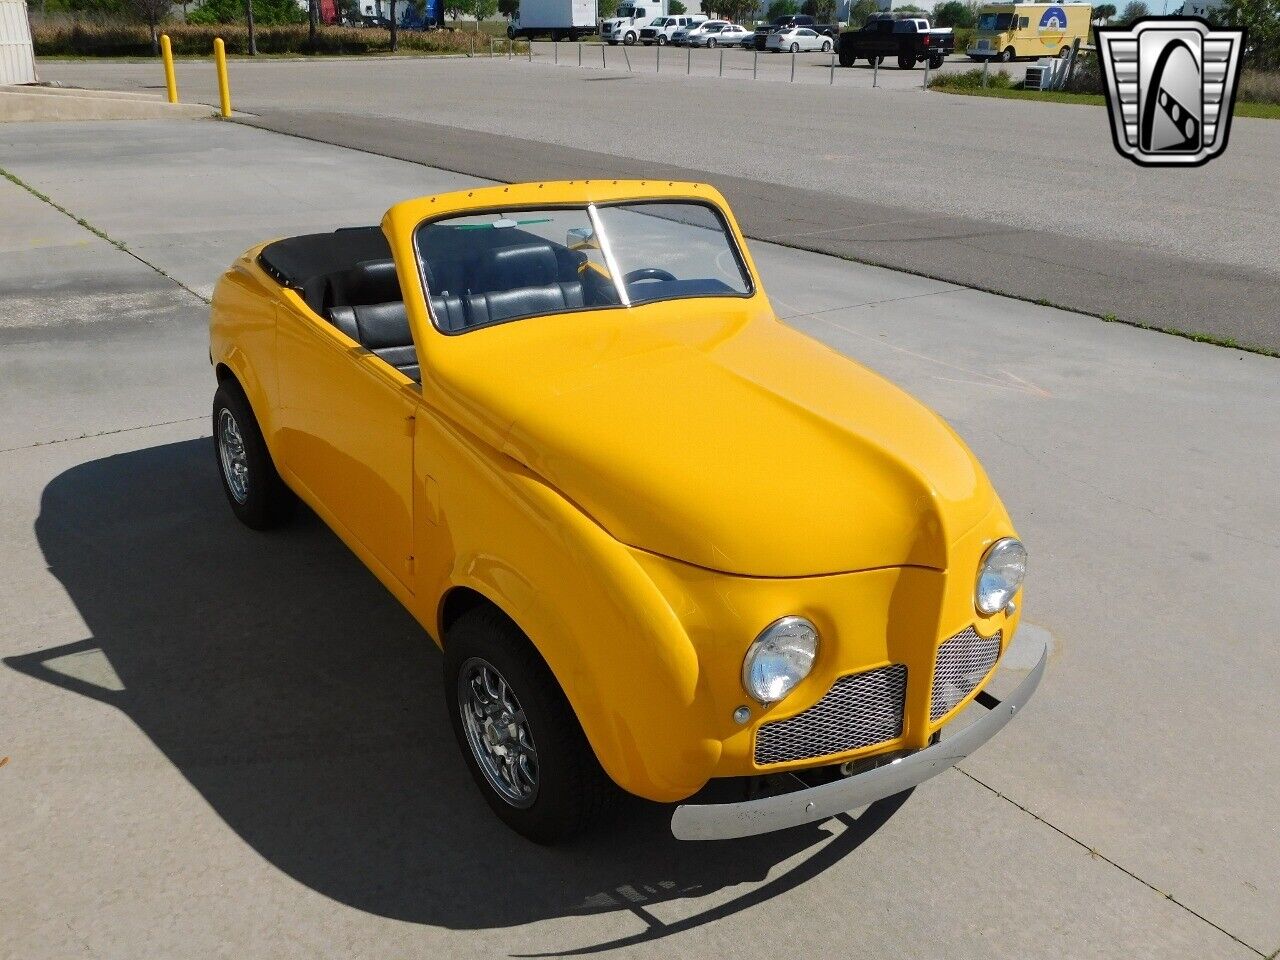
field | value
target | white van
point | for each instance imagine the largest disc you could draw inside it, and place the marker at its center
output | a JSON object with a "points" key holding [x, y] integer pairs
{"points": [[662, 29]]}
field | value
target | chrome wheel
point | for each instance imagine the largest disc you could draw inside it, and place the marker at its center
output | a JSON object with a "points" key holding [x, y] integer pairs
{"points": [[235, 461], [498, 733]]}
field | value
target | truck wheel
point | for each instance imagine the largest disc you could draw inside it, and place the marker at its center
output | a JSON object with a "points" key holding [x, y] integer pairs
{"points": [[629, 38], [872, 61], [1064, 53], [511, 33], [906, 61], [1007, 55], [936, 61], [257, 495], [521, 741]]}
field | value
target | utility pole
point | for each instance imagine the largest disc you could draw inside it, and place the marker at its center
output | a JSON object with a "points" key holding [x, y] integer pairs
{"points": [[248, 16], [313, 22], [395, 33]]}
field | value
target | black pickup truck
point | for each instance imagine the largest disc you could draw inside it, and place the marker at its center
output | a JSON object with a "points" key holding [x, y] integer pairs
{"points": [[831, 30], [909, 39]]}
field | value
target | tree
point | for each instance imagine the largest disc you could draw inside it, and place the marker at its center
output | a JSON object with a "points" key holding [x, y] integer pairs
{"points": [[861, 11], [824, 11], [782, 8], [151, 12], [1133, 10], [508, 8], [313, 23], [1104, 12], [1261, 18], [676, 8], [481, 9], [736, 11], [606, 8], [952, 13]]}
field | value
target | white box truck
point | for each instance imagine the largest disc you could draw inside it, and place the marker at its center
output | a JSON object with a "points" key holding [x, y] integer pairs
{"points": [[557, 19]]}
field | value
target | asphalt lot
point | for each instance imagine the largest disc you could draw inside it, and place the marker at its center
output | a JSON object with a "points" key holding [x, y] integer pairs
{"points": [[1026, 199], [225, 744]]}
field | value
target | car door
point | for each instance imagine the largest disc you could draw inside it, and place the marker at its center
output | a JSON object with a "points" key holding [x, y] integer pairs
{"points": [[346, 432]]}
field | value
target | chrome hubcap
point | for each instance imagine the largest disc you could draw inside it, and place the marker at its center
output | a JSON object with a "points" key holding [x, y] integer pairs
{"points": [[235, 462], [498, 732]]}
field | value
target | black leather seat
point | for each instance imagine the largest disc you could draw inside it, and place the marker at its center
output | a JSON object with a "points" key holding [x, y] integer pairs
{"points": [[382, 329], [368, 282], [516, 281]]}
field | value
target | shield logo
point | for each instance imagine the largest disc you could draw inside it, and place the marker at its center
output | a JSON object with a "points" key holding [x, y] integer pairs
{"points": [[1171, 85]]}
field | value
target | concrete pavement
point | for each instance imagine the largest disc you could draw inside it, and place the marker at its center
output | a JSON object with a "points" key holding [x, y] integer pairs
{"points": [[229, 744], [1026, 199]]}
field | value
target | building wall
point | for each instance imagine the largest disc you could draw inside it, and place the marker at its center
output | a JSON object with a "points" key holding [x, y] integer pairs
{"points": [[17, 64]]}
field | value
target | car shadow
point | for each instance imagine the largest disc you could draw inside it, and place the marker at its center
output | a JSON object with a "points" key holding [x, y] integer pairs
{"points": [[304, 704]]}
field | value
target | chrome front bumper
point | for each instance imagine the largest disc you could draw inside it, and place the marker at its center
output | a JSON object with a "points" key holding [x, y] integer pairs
{"points": [[727, 821]]}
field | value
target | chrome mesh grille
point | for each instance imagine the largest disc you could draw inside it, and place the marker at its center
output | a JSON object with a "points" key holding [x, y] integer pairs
{"points": [[961, 664], [859, 710]]}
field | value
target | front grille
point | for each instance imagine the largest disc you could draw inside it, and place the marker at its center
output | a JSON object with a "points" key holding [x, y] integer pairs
{"points": [[961, 664], [859, 710]]}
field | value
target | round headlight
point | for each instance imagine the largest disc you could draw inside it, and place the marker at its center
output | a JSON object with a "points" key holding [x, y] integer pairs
{"points": [[779, 658], [1000, 575]]}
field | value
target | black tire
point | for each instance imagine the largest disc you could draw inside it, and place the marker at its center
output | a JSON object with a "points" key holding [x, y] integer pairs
{"points": [[628, 39], [259, 499], [1007, 55], [846, 58], [906, 61], [795, 48], [936, 61], [662, 40], [573, 793], [872, 61], [711, 42], [511, 33], [1064, 53], [826, 46]]}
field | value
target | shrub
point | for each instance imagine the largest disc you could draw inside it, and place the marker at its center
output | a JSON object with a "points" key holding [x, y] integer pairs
{"points": [[1259, 87], [972, 79], [133, 40]]}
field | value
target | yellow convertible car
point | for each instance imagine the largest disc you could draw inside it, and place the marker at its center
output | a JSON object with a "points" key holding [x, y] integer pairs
{"points": [[664, 541]]}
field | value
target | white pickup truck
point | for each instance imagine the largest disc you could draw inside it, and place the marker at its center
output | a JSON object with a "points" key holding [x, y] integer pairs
{"points": [[663, 28], [631, 18]]}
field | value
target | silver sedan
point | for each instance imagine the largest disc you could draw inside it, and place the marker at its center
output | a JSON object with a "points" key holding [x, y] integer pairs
{"points": [[720, 36], [798, 40]]}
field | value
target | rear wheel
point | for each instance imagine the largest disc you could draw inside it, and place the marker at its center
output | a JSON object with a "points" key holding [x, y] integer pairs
{"points": [[906, 61], [872, 61], [711, 42], [257, 495], [826, 46], [520, 738], [846, 58], [795, 48], [629, 39], [936, 61]]}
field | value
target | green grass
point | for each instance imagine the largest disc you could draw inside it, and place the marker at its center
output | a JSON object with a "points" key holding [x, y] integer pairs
{"points": [[1263, 111]]}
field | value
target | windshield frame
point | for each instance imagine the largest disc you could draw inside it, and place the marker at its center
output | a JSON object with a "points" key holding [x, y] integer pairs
{"points": [[590, 208]]}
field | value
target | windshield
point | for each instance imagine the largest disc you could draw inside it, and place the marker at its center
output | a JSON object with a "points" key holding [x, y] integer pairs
{"points": [[995, 21], [489, 268], [625, 12]]}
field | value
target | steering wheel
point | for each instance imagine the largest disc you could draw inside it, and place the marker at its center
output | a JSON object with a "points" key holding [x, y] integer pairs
{"points": [[647, 273]]}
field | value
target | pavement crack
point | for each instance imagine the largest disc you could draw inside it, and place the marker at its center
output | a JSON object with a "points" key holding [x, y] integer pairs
{"points": [[1096, 853], [100, 433], [98, 232], [869, 303]]}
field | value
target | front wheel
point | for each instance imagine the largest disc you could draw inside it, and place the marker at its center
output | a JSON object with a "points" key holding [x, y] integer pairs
{"points": [[518, 734], [511, 33], [629, 39], [1064, 53], [795, 48], [846, 58], [1007, 55], [662, 41], [711, 42], [872, 61], [826, 46], [257, 495]]}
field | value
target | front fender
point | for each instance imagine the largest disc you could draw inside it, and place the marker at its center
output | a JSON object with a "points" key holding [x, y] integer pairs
{"points": [[609, 635]]}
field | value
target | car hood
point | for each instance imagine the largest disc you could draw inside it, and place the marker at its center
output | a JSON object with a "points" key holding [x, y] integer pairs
{"points": [[708, 432]]}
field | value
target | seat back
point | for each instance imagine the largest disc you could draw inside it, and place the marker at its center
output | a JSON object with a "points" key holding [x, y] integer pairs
{"points": [[381, 328]]}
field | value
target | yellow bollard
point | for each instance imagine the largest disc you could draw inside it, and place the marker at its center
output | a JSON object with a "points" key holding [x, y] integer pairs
{"points": [[170, 81], [224, 88]]}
